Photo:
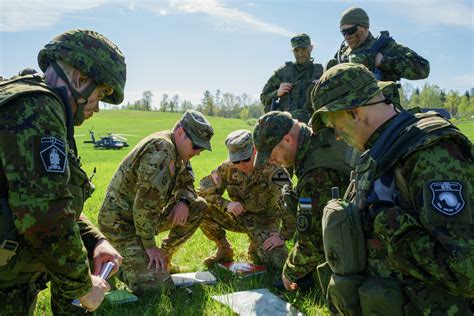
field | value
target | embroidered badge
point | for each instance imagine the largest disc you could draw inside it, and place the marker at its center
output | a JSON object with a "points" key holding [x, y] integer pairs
{"points": [[280, 178], [447, 197], [216, 179], [53, 154], [303, 220]]}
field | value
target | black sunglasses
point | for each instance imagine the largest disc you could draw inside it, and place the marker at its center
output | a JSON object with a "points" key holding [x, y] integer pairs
{"points": [[350, 30], [243, 160], [195, 147]]}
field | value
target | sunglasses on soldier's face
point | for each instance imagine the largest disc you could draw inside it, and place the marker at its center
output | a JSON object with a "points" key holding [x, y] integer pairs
{"points": [[195, 147], [243, 160], [349, 31]]}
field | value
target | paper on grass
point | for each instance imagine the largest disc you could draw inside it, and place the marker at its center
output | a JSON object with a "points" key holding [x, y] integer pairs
{"points": [[258, 302], [191, 278]]}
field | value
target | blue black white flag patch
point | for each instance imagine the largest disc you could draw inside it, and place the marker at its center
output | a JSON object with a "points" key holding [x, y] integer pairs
{"points": [[53, 154], [447, 197]]}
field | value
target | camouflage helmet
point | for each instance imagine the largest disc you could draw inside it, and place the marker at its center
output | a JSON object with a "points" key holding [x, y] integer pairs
{"points": [[344, 87], [91, 53]]}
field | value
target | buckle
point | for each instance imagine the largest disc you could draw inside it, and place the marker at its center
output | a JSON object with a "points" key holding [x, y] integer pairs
{"points": [[10, 245]]}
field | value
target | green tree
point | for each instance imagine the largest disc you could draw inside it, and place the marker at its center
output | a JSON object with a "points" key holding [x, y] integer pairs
{"points": [[452, 102], [164, 102], [147, 99]]}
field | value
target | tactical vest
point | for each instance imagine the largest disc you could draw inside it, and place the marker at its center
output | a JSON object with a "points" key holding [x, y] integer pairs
{"points": [[406, 134], [17, 258], [295, 100]]}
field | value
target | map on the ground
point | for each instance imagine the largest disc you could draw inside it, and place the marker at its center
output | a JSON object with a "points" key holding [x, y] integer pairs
{"points": [[243, 269], [258, 302], [192, 278]]}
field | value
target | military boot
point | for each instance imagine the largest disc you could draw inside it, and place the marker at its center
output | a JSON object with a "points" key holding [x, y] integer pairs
{"points": [[224, 253], [174, 268]]}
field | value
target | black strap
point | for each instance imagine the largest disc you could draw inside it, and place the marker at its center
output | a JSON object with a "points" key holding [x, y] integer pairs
{"points": [[8, 227]]}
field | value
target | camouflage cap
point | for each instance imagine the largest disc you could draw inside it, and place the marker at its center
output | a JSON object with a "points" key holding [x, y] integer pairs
{"points": [[91, 53], [355, 16], [198, 128], [240, 145], [300, 40], [344, 87], [269, 131]]}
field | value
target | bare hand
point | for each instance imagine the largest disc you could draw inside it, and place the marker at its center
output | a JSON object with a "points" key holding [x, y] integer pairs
{"points": [[179, 214], [289, 286], [273, 242], [157, 258], [285, 87], [91, 301], [105, 252], [378, 59], [235, 208]]}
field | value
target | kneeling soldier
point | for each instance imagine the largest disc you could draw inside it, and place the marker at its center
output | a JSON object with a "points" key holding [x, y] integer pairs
{"points": [[152, 191], [254, 205]]}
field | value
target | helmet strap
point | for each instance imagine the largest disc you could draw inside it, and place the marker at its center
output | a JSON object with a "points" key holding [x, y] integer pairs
{"points": [[76, 95]]}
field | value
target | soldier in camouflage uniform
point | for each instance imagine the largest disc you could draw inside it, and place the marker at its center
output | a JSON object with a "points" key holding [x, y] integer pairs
{"points": [[320, 162], [413, 188], [389, 62], [287, 88], [253, 208], [43, 235], [152, 191]]}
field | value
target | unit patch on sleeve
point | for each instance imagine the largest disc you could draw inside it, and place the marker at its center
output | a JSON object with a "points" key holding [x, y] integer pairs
{"points": [[53, 154], [280, 178], [447, 197]]}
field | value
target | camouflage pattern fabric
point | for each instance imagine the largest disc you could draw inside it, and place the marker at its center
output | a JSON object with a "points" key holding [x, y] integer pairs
{"points": [[301, 40], [46, 192], [259, 192], [315, 184], [301, 76], [135, 272], [150, 180]]}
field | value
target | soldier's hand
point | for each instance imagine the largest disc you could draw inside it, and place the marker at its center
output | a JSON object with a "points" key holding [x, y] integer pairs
{"points": [[285, 87], [179, 214], [235, 208], [105, 252], [378, 59], [289, 286], [91, 301], [158, 259], [273, 242]]}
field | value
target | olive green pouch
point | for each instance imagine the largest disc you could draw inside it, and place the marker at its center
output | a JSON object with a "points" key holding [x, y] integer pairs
{"points": [[381, 296], [343, 293], [324, 276], [343, 237]]}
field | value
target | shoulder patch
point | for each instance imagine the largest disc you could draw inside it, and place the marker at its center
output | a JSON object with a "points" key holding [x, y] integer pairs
{"points": [[280, 178], [216, 179], [53, 154], [447, 197], [304, 217]]}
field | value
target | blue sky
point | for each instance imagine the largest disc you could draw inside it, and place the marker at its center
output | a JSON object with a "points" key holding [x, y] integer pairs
{"points": [[186, 47]]}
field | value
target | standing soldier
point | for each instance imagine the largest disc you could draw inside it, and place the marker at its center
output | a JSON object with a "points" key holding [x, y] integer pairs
{"points": [[320, 162], [388, 60], [287, 88], [152, 191], [410, 205], [43, 235], [254, 207]]}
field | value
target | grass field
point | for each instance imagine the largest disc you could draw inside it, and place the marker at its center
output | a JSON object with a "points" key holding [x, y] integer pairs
{"points": [[135, 125]]}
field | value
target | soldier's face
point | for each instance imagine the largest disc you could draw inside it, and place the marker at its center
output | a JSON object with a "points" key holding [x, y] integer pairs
{"points": [[284, 153], [92, 104], [247, 166], [185, 146], [345, 126], [354, 35], [302, 54]]}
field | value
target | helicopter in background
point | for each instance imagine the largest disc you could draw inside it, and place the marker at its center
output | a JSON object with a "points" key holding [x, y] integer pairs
{"points": [[112, 141]]}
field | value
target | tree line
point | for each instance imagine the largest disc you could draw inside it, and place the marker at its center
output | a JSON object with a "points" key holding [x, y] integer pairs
{"points": [[245, 107]]}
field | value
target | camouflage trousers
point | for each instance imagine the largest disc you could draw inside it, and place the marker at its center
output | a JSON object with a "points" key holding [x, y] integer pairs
{"points": [[18, 297], [258, 229], [122, 235]]}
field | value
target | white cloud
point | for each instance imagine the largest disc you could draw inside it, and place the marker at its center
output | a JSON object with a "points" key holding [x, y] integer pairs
{"points": [[32, 14]]}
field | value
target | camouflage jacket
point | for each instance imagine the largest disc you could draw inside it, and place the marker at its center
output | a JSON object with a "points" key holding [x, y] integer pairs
{"points": [[425, 232], [259, 191], [301, 76], [398, 61], [45, 184], [151, 176], [319, 167]]}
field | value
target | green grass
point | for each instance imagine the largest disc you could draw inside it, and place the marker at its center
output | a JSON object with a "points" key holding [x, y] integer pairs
{"points": [[135, 125]]}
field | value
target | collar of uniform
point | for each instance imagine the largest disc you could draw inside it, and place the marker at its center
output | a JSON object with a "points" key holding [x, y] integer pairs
{"points": [[173, 140], [307, 64], [302, 149], [376, 134]]}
